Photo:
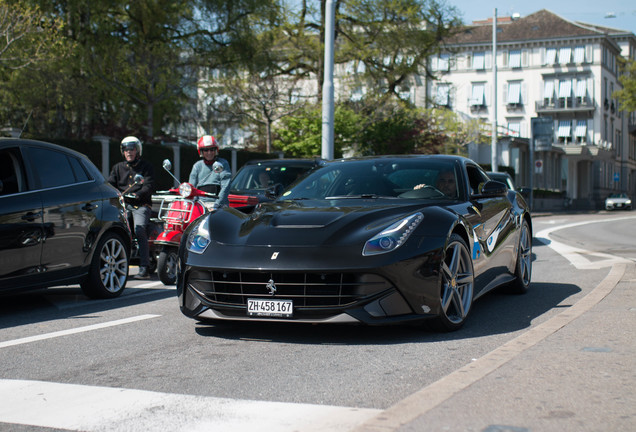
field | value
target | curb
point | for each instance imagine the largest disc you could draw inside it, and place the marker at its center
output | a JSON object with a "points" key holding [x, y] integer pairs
{"points": [[424, 400]]}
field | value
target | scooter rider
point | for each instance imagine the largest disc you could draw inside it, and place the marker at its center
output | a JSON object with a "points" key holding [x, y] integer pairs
{"points": [[211, 174], [138, 196]]}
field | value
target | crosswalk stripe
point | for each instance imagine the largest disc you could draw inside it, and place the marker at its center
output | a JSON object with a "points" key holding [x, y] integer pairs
{"points": [[90, 409]]}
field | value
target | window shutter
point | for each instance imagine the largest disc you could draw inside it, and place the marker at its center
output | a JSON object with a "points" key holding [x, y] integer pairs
{"points": [[523, 129], [487, 92], [524, 92], [525, 56]]}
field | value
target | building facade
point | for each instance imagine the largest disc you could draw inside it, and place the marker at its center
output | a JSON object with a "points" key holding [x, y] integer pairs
{"points": [[557, 70]]}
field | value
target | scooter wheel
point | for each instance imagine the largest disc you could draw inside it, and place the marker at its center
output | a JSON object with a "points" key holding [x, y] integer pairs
{"points": [[167, 266]]}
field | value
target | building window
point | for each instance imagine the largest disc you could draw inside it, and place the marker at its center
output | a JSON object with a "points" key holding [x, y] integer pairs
{"points": [[579, 54], [514, 93], [565, 55], [514, 128], [479, 60], [564, 132], [478, 95], [550, 56], [358, 93], [580, 133], [548, 93], [442, 97], [581, 91], [515, 59], [565, 93]]}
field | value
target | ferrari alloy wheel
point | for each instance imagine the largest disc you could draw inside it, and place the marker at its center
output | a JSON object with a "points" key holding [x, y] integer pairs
{"points": [[457, 282], [523, 267], [108, 271]]}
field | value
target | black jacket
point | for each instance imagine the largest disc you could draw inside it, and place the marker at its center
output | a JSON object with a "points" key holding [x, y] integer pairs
{"points": [[122, 177]]}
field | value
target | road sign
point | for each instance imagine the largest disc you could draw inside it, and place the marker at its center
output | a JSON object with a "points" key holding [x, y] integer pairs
{"points": [[617, 177], [542, 133], [538, 166]]}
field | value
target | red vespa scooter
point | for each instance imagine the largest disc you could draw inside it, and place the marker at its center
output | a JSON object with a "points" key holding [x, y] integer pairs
{"points": [[179, 207]]}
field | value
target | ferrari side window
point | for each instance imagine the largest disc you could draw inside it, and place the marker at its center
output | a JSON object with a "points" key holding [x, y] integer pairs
{"points": [[476, 179]]}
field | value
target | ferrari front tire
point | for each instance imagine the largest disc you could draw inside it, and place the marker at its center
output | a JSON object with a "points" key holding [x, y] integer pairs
{"points": [[457, 286]]}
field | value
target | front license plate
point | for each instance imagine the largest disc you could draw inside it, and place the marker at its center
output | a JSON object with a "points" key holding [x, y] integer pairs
{"points": [[270, 308]]}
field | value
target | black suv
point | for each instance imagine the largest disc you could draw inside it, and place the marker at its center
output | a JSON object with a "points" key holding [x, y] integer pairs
{"points": [[60, 221]]}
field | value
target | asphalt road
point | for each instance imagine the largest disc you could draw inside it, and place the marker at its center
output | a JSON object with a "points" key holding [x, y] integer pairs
{"points": [[135, 363]]}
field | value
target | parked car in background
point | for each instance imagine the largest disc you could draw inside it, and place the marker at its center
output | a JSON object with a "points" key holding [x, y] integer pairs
{"points": [[618, 201], [382, 240], [60, 222], [261, 180], [502, 177]]}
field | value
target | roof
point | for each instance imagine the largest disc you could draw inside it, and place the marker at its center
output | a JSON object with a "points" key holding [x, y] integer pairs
{"points": [[540, 25]]}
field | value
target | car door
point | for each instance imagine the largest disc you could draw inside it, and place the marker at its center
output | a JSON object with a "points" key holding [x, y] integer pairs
{"points": [[71, 202], [21, 223], [493, 222]]}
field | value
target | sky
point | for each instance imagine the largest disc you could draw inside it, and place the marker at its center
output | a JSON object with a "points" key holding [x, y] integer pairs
{"points": [[589, 11]]}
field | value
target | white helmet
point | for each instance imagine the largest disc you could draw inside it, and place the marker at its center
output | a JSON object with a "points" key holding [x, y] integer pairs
{"points": [[130, 142]]}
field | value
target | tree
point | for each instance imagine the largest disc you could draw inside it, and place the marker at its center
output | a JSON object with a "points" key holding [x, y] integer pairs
{"points": [[257, 97], [392, 39], [627, 95], [300, 135], [27, 35]]}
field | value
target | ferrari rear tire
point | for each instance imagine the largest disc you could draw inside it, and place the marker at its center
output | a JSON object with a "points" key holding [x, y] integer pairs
{"points": [[167, 266], [457, 286], [523, 266], [108, 271]]}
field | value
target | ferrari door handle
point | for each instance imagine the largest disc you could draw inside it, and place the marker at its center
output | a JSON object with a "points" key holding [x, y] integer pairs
{"points": [[30, 216]]}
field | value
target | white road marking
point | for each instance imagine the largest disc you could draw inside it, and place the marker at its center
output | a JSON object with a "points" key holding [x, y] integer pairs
{"points": [[92, 409], [60, 333], [152, 284], [579, 257]]}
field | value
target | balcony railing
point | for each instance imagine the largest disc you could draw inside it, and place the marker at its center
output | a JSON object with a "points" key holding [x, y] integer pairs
{"points": [[568, 104]]}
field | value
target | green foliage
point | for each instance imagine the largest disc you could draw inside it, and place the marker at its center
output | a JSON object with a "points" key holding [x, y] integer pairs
{"points": [[300, 135], [371, 128], [627, 95]]}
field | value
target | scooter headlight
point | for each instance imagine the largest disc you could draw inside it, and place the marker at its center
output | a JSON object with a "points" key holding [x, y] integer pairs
{"points": [[199, 238], [185, 190]]}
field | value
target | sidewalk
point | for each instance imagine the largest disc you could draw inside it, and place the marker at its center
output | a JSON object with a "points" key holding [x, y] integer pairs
{"points": [[574, 372]]}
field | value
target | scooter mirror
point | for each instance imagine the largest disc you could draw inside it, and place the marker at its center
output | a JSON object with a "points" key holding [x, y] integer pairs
{"points": [[139, 179], [167, 165]]}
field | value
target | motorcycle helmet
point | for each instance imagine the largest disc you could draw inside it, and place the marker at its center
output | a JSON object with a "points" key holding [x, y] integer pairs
{"points": [[206, 141], [131, 142]]}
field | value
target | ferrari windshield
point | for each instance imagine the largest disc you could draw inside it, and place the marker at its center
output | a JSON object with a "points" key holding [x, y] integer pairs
{"points": [[260, 176], [408, 178]]}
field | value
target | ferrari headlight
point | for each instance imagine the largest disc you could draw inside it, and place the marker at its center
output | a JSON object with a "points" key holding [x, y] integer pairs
{"points": [[393, 237], [199, 238], [628, 202]]}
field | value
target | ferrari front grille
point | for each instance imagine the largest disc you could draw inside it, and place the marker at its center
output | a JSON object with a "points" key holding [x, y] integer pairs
{"points": [[308, 290]]}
